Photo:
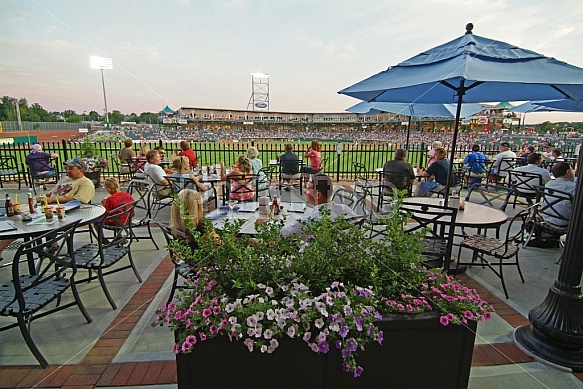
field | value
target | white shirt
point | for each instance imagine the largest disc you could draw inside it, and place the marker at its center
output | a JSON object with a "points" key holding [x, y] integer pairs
{"points": [[155, 173], [535, 169], [501, 170], [295, 226]]}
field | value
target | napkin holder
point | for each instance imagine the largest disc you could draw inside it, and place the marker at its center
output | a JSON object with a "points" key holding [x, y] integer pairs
{"points": [[264, 205]]}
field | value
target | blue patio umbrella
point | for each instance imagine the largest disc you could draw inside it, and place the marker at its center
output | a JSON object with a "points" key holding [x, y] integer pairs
{"points": [[532, 106], [415, 110], [471, 69], [476, 69], [562, 105]]}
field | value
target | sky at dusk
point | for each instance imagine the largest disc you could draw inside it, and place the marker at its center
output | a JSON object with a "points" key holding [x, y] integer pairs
{"points": [[199, 53]]}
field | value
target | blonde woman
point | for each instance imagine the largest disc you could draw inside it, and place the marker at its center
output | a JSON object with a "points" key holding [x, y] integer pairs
{"points": [[140, 160], [256, 166], [182, 167], [186, 216], [240, 189]]}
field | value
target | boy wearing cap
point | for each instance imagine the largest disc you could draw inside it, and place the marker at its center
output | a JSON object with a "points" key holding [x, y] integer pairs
{"points": [[498, 172], [74, 186]]}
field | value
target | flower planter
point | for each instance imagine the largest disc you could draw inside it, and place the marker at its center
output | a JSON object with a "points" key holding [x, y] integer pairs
{"points": [[95, 177], [417, 352]]}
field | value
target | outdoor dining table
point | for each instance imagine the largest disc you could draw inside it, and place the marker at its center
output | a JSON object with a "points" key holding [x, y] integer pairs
{"points": [[29, 229], [248, 211]]}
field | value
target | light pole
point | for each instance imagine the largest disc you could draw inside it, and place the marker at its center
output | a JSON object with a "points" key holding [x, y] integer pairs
{"points": [[102, 63]]}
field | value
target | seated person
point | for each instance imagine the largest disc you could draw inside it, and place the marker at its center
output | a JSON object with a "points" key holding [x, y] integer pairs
{"points": [[319, 194], [39, 162], [398, 173], [557, 155], [289, 165], [547, 155], [475, 163], [74, 186], [526, 152], [534, 161], [116, 198], [256, 166], [140, 160], [431, 154], [124, 154], [156, 175], [188, 152], [181, 167], [439, 169], [313, 153], [186, 216], [241, 189], [499, 170], [564, 181]]}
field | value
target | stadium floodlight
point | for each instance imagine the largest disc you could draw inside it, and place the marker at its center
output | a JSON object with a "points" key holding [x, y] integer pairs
{"points": [[260, 75], [259, 99], [101, 64]]}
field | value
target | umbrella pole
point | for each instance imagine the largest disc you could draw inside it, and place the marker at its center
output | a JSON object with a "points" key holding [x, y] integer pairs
{"points": [[408, 131], [460, 95], [554, 335]]}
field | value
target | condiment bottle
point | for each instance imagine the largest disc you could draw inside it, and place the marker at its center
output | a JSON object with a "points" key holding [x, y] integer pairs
{"points": [[8, 206], [30, 203], [275, 206]]}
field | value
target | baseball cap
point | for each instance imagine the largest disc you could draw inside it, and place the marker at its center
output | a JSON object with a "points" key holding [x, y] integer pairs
{"points": [[505, 144], [76, 162]]}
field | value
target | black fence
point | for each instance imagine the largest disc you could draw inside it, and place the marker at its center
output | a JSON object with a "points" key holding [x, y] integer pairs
{"points": [[339, 165]]}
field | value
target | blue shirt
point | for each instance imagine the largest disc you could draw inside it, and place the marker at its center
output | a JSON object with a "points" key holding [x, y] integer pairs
{"points": [[477, 167], [563, 208]]}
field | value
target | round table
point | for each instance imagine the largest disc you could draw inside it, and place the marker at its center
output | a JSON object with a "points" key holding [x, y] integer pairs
{"points": [[473, 215]]}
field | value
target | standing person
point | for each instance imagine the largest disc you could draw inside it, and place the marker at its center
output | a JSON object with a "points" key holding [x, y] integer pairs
{"points": [[431, 158], [256, 166], [127, 152], [74, 186], [319, 194], [499, 172], [439, 169], [289, 165], [116, 198], [399, 173], [240, 189], [313, 153], [39, 162], [188, 152], [475, 163]]}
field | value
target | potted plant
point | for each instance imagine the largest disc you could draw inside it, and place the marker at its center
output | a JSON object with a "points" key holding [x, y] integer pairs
{"points": [[333, 309], [93, 161]]}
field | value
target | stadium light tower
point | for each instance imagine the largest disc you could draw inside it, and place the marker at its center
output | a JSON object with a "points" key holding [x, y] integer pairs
{"points": [[259, 99], [102, 63]]}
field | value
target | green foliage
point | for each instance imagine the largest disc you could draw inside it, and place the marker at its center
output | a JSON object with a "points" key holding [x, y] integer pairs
{"points": [[88, 148]]}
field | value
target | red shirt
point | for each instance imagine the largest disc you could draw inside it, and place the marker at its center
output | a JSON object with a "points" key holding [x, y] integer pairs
{"points": [[191, 157], [116, 200]]}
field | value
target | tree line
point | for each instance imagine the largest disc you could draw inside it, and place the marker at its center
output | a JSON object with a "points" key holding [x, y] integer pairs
{"points": [[36, 113]]}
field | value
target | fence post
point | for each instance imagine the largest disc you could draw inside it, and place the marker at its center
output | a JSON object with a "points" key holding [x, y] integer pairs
{"points": [[65, 150]]}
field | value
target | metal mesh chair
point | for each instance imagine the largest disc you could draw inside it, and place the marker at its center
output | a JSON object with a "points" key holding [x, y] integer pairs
{"points": [[114, 239], [27, 294], [524, 185], [140, 189], [9, 171]]}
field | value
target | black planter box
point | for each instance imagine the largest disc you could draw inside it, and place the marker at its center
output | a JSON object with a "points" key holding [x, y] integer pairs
{"points": [[417, 352]]}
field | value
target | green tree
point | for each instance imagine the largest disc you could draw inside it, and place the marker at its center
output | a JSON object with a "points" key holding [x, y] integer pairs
{"points": [[94, 116], [116, 117], [148, 117]]}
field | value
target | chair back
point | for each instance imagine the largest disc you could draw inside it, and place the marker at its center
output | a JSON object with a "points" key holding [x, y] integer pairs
{"points": [[437, 223], [354, 200], [289, 166], [136, 165], [494, 196], [395, 180], [515, 236], [508, 164], [524, 183], [118, 220], [555, 208], [51, 265], [9, 170], [141, 190], [123, 169], [323, 164], [241, 187]]}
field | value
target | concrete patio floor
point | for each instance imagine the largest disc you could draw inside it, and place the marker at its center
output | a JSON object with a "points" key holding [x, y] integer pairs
{"points": [[121, 349]]}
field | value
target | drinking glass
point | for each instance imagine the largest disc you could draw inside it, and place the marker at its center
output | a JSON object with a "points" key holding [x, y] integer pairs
{"points": [[231, 204]]}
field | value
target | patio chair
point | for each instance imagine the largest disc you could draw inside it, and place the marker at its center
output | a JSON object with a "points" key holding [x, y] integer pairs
{"points": [[245, 184], [114, 240], [268, 172], [181, 268], [161, 195], [504, 251], [359, 203], [477, 172], [294, 180], [28, 293], [524, 184], [36, 179], [136, 166], [390, 181], [9, 171], [364, 181], [140, 189], [123, 170], [438, 222], [506, 165], [209, 196]]}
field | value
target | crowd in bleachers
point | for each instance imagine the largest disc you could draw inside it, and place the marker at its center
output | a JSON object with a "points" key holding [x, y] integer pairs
{"points": [[385, 136]]}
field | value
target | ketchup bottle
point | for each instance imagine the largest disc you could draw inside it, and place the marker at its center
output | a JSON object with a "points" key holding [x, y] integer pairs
{"points": [[275, 205], [30, 203]]}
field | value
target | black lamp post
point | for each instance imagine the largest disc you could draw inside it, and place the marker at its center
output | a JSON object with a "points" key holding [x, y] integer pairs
{"points": [[555, 333]]}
